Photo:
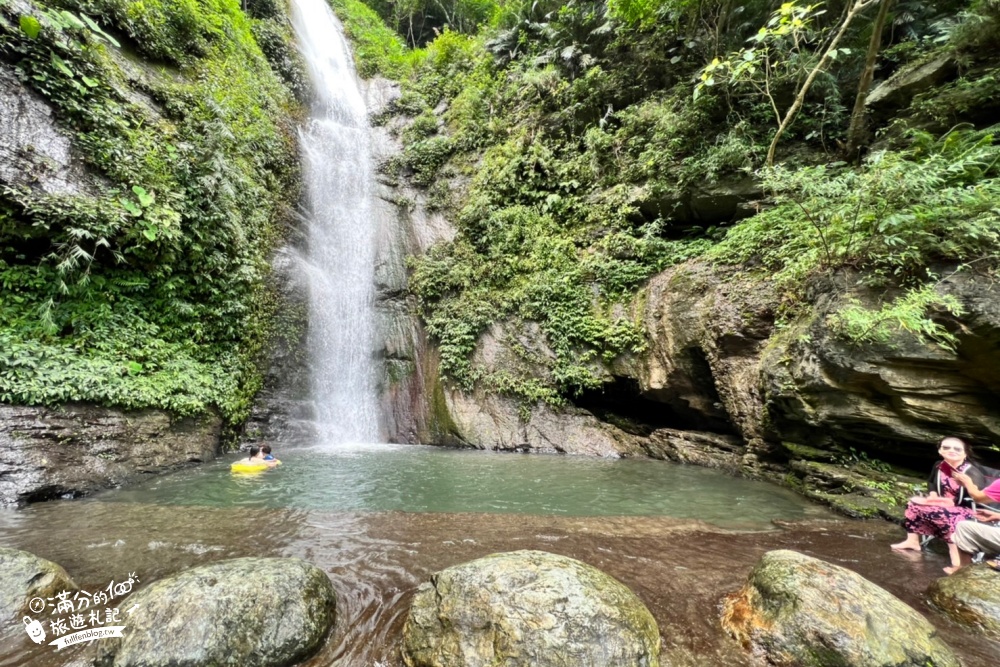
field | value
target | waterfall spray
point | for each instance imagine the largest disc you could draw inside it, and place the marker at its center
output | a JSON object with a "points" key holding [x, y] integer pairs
{"points": [[340, 267]]}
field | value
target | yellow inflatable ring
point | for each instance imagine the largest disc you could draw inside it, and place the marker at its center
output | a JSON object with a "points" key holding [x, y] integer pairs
{"points": [[241, 466]]}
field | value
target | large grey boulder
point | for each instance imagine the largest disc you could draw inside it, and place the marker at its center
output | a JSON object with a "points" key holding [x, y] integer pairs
{"points": [[971, 597], [26, 576], [528, 609], [251, 612], [801, 611]]}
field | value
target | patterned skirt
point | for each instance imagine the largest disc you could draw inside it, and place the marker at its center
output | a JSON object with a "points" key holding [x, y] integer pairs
{"points": [[937, 521]]}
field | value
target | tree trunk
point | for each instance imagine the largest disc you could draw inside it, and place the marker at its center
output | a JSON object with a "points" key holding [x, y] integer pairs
{"points": [[800, 98], [855, 134]]}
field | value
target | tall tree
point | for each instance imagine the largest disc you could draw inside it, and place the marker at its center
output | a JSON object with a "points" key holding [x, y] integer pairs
{"points": [[859, 117]]}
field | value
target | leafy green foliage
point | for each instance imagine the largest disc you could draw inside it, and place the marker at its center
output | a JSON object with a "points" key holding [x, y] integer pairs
{"points": [[570, 143], [377, 49], [146, 290], [894, 216], [420, 21], [911, 312]]}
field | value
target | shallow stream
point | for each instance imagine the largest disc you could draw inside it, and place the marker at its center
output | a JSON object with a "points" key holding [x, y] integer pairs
{"points": [[380, 519]]}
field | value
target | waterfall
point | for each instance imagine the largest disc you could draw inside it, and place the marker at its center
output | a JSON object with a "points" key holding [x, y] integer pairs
{"points": [[340, 266]]}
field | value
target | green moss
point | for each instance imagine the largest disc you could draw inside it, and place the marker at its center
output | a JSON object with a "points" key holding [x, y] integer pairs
{"points": [[149, 292], [798, 451], [442, 425], [398, 370]]}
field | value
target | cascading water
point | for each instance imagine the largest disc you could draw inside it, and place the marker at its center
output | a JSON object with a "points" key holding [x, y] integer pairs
{"points": [[340, 265]]}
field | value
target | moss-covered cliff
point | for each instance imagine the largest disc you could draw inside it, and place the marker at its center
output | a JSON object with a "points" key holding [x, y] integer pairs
{"points": [[582, 148], [148, 158]]}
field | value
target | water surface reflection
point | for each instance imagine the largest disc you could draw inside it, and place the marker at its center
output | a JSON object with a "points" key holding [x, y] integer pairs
{"points": [[381, 519]]}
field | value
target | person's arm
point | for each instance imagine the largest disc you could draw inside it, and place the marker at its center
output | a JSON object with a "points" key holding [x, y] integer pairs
{"points": [[989, 516], [971, 487]]}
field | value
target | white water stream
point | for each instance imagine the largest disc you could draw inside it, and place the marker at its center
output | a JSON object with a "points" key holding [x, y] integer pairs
{"points": [[340, 266]]}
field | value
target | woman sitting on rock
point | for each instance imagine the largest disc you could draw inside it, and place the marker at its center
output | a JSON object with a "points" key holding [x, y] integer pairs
{"points": [[947, 501]]}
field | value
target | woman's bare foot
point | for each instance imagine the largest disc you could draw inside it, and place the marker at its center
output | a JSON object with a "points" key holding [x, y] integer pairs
{"points": [[906, 544], [951, 569]]}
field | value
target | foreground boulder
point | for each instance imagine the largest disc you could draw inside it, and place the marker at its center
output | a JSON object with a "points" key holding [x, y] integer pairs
{"points": [[971, 597], [528, 609], [26, 576], [801, 611], [252, 612]]}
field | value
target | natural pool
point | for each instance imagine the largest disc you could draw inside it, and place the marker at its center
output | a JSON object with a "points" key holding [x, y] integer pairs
{"points": [[381, 518]]}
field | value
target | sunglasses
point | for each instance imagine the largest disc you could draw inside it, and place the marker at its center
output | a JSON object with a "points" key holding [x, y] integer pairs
{"points": [[953, 448]]}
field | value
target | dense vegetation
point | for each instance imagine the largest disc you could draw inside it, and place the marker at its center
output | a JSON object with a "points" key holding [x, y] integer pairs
{"points": [[145, 287], [580, 147], [580, 140]]}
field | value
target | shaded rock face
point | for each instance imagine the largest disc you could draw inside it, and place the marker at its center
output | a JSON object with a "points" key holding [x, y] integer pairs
{"points": [[253, 612], [282, 410], [34, 152], [78, 449], [26, 576], [800, 398], [971, 597], [710, 450], [901, 87], [801, 611], [897, 399], [528, 609], [490, 421]]}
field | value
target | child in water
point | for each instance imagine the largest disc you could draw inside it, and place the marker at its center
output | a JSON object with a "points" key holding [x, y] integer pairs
{"points": [[266, 452]]}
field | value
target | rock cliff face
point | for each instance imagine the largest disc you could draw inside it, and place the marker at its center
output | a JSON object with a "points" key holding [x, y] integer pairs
{"points": [[78, 449], [722, 385]]}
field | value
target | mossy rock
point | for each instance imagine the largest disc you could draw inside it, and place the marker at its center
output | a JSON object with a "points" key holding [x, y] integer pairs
{"points": [[803, 612], [528, 609], [971, 597], [252, 612], [26, 576]]}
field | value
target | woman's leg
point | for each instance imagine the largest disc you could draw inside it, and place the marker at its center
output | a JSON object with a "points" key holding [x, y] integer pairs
{"points": [[914, 527], [956, 558], [912, 541]]}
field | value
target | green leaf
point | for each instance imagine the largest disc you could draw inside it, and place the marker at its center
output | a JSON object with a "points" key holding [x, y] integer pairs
{"points": [[134, 368], [30, 26], [60, 64], [92, 83], [145, 198], [149, 233], [72, 20], [131, 207], [97, 29]]}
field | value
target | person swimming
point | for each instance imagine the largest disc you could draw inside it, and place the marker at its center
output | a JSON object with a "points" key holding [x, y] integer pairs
{"points": [[255, 456], [270, 460]]}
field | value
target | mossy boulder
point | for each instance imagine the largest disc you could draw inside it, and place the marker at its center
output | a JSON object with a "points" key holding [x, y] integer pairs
{"points": [[528, 609], [800, 611], [252, 612], [971, 597], [26, 576]]}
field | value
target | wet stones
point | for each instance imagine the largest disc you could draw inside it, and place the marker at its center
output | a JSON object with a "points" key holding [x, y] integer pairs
{"points": [[971, 597], [253, 612], [798, 610], [26, 576], [528, 609]]}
